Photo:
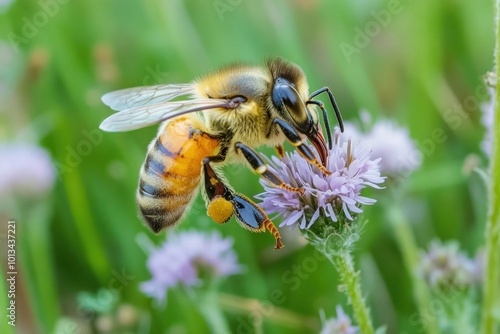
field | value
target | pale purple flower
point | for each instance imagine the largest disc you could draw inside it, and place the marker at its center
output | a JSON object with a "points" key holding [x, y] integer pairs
{"points": [[487, 109], [186, 258], [479, 265], [5, 4], [393, 144], [25, 170], [339, 325], [338, 194], [444, 266], [390, 142]]}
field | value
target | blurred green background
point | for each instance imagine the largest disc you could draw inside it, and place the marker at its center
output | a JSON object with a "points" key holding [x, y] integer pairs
{"points": [[419, 62]]}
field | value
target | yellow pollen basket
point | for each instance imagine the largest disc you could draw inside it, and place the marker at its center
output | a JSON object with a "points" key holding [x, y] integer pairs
{"points": [[220, 210]]}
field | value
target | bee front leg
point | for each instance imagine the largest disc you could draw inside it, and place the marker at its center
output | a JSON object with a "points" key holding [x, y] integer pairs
{"points": [[294, 138], [224, 203], [260, 167]]}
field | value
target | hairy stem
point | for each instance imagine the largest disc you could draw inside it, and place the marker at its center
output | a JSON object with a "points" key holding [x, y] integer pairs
{"points": [[349, 277], [492, 270], [337, 245]]}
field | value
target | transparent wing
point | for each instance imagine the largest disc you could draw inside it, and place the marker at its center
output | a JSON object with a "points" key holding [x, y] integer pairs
{"points": [[140, 96], [139, 117]]}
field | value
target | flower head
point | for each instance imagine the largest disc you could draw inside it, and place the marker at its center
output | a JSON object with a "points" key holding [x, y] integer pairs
{"points": [[25, 170], [487, 109], [339, 325], [186, 258], [444, 265], [338, 194], [390, 142]]}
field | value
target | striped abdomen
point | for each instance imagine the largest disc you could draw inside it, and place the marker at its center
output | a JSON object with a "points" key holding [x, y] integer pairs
{"points": [[171, 173]]}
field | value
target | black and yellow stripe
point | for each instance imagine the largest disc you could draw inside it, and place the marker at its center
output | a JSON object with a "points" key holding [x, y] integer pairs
{"points": [[171, 173]]}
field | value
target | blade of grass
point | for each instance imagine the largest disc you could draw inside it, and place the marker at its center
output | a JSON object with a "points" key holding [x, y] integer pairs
{"points": [[35, 262], [491, 300]]}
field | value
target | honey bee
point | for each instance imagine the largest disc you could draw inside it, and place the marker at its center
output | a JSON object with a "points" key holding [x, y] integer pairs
{"points": [[230, 113]]}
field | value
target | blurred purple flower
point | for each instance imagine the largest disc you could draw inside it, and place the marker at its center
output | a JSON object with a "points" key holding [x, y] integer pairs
{"points": [[187, 258], [25, 170], [393, 144], [330, 195], [339, 325], [445, 266], [390, 142], [4, 5], [487, 109]]}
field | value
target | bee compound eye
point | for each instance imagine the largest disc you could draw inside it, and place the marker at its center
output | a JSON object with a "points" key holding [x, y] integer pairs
{"points": [[220, 210]]}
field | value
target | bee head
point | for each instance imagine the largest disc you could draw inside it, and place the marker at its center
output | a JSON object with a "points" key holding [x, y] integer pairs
{"points": [[293, 109]]}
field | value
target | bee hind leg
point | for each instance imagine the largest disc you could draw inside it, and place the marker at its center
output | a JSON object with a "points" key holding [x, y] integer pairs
{"points": [[223, 203], [219, 208], [253, 218], [260, 167]]}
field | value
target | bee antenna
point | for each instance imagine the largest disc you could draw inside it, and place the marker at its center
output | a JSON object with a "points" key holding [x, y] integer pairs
{"points": [[325, 115], [327, 126]]}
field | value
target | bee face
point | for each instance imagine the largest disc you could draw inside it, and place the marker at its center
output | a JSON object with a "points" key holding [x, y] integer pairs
{"points": [[289, 97], [290, 106]]}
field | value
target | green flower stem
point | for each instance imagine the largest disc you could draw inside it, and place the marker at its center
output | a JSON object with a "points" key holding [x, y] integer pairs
{"points": [[492, 267], [409, 250], [336, 245], [343, 263]]}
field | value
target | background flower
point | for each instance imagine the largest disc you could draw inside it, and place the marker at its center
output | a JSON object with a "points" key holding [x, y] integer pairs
{"points": [[339, 325], [188, 257], [487, 108], [25, 170], [392, 143], [388, 141], [445, 266]]}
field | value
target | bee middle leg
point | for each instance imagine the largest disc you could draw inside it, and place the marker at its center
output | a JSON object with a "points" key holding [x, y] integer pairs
{"points": [[224, 202], [260, 167]]}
